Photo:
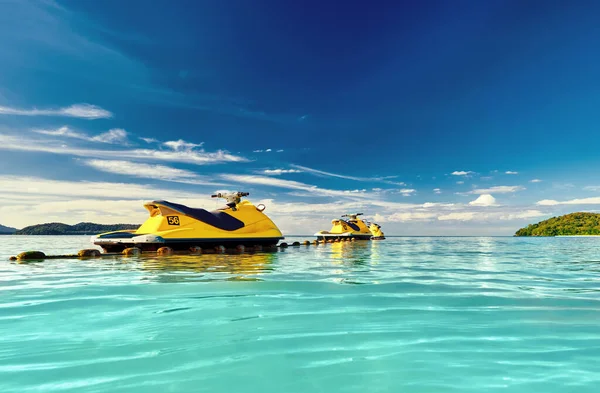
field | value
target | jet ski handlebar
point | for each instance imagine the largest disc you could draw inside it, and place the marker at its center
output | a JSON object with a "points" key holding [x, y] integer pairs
{"points": [[231, 197], [229, 194], [352, 215]]}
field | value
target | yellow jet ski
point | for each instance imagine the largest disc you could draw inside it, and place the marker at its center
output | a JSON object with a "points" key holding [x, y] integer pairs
{"points": [[181, 227], [353, 227], [376, 231]]}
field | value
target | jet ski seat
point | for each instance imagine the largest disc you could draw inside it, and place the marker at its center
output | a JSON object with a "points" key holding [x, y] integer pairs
{"points": [[351, 225], [217, 219]]}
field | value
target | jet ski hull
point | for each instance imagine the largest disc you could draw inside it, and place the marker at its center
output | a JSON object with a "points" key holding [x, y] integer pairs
{"points": [[119, 244], [335, 236], [180, 227]]}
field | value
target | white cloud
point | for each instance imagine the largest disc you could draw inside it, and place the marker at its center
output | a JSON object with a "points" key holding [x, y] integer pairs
{"points": [[493, 216], [83, 111], [197, 157], [149, 140], [582, 201], [522, 215], [280, 151], [428, 205], [408, 216], [17, 185], [437, 191], [458, 216], [148, 171], [63, 131], [115, 135], [484, 200], [407, 191], [498, 190], [181, 145], [535, 181], [511, 173], [280, 171], [460, 182], [592, 188], [462, 173]]}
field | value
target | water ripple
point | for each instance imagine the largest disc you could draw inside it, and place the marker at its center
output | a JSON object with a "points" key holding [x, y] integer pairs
{"points": [[406, 314]]}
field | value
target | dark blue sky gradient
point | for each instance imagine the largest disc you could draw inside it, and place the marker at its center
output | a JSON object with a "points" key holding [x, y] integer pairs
{"points": [[406, 88]]}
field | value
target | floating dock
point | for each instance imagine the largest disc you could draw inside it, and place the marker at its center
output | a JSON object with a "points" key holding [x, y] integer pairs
{"points": [[95, 253]]}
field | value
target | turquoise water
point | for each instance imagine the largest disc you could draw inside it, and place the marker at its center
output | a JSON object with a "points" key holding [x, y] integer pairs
{"points": [[400, 315]]}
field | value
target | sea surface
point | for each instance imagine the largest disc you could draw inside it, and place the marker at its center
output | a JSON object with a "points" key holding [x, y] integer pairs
{"points": [[408, 314]]}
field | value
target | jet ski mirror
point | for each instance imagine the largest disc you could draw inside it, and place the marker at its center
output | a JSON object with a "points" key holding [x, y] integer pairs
{"points": [[260, 207]]}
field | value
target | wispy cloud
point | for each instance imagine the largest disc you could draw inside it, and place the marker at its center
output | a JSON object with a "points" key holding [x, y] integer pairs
{"points": [[437, 191], [115, 135], [407, 191], [330, 174], [535, 181], [457, 216], [581, 201], [492, 216], [197, 157], [181, 145], [498, 190], [406, 217], [280, 171], [462, 173], [511, 173], [149, 140], [18, 185], [31, 200], [148, 171], [264, 151], [82, 111], [592, 188], [292, 185]]}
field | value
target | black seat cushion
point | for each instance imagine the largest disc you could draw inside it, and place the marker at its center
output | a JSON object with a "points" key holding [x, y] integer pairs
{"points": [[217, 218], [351, 225]]}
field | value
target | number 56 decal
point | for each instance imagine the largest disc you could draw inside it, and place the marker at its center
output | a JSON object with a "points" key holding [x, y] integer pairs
{"points": [[173, 220]]}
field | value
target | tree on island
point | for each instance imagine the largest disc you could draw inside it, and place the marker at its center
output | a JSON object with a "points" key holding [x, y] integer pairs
{"points": [[83, 228], [568, 225]]}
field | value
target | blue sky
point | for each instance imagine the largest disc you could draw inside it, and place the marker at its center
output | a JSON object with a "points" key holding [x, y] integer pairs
{"points": [[442, 117]]}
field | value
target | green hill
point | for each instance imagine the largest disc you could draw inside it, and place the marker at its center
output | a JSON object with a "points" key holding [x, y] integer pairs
{"points": [[6, 230], [83, 228], [567, 225]]}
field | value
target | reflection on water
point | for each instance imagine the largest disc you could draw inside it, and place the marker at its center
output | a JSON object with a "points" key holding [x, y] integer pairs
{"points": [[349, 253], [179, 267]]}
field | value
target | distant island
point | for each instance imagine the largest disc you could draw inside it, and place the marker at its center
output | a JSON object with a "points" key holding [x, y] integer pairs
{"points": [[573, 224], [7, 230], [83, 228]]}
